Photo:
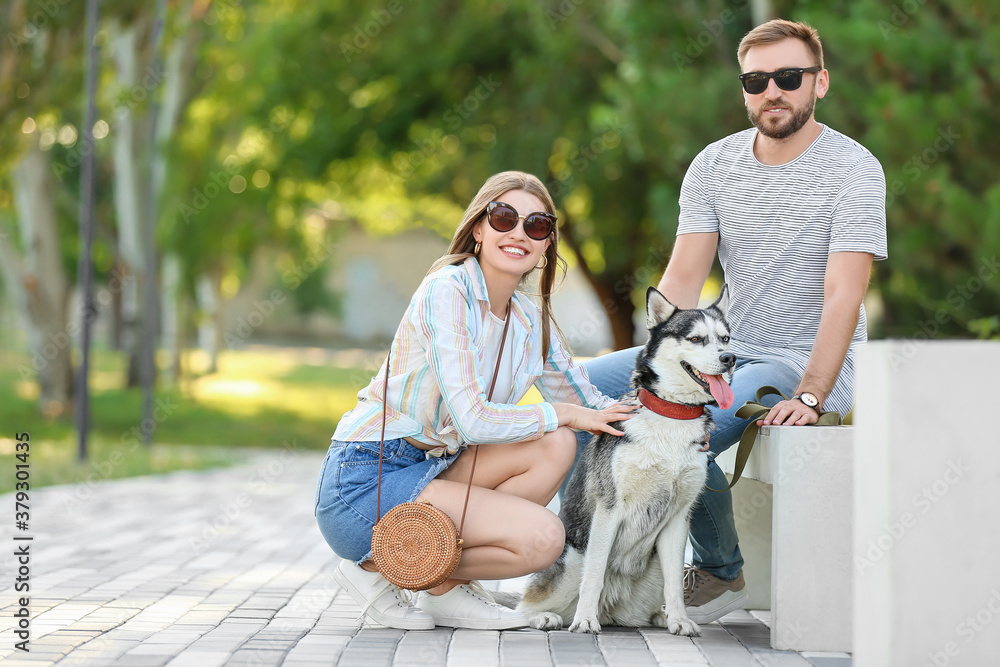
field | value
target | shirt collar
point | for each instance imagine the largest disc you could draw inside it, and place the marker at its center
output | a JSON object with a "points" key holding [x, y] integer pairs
{"points": [[475, 272]]}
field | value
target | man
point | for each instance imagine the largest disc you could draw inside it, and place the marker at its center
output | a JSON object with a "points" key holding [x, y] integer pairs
{"points": [[796, 211]]}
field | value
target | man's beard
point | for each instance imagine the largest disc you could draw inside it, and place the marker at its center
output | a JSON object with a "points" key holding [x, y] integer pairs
{"points": [[799, 117]]}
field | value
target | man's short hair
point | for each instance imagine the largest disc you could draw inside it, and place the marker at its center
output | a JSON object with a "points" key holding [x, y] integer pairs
{"points": [[777, 30]]}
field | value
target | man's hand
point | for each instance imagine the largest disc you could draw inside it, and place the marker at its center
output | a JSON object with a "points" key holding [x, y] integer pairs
{"points": [[790, 413]]}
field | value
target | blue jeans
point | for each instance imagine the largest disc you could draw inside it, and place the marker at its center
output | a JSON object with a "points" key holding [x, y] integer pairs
{"points": [[347, 490], [714, 542]]}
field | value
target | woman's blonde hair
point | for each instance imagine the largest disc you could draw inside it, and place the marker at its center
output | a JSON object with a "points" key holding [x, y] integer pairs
{"points": [[463, 244]]}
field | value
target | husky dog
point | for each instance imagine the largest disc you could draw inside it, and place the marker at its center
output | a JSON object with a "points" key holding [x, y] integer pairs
{"points": [[626, 509]]}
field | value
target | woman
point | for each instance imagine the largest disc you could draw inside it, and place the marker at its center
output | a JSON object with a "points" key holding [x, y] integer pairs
{"points": [[443, 359]]}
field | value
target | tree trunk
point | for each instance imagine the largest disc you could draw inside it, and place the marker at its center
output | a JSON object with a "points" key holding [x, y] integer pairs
{"points": [[140, 159], [617, 303], [210, 319], [179, 65], [128, 149], [39, 284], [118, 323], [761, 11], [172, 314]]}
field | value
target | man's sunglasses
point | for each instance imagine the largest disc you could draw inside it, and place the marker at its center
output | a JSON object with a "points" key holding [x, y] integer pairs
{"points": [[503, 218], [789, 78]]}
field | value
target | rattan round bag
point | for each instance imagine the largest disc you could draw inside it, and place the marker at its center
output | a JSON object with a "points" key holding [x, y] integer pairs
{"points": [[416, 546]]}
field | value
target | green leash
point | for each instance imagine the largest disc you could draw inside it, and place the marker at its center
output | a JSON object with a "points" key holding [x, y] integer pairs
{"points": [[754, 410]]}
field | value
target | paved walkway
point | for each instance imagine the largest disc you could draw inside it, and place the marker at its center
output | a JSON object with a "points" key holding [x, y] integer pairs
{"points": [[227, 567]]}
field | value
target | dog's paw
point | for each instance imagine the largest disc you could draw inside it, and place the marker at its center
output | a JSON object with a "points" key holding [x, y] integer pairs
{"points": [[546, 620], [585, 625], [682, 625], [677, 624]]}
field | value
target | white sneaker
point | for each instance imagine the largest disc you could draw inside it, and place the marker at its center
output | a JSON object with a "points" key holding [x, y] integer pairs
{"points": [[385, 603], [470, 606]]}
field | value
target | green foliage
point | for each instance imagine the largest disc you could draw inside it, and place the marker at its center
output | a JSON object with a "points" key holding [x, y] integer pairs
{"points": [[389, 114], [918, 85], [609, 103]]}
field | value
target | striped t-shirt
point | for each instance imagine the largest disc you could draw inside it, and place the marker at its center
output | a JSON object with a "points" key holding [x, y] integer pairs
{"points": [[777, 225]]}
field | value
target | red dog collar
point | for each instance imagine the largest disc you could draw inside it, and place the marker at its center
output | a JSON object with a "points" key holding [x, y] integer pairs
{"points": [[669, 409]]}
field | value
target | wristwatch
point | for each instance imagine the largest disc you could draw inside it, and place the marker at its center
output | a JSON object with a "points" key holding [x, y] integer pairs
{"points": [[807, 399]]}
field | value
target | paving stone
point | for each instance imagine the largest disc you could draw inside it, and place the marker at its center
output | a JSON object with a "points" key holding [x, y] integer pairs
{"points": [[780, 659], [371, 647], [572, 648], [624, 647], [672, 649], [721, 648], [828, 659], [479, 647], [114, 588], [190, 658], [524, 648], [421, 648]]}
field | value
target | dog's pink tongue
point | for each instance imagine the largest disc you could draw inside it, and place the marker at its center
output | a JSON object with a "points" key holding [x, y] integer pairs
{"points": [[721, 392]]}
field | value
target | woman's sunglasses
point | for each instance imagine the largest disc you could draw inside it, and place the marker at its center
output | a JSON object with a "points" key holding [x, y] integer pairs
{"points": [[503, 218], [789, 78]]}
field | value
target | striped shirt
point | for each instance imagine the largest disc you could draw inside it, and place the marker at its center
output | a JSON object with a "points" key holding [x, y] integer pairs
{"points": [[437, 385], [777, 225]]}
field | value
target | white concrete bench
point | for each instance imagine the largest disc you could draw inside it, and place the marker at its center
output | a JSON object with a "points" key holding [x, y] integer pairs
{"points": [[793, 509]]}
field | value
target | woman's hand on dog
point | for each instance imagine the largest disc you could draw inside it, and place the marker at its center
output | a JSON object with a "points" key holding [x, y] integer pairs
{"points": [[594, 421]]}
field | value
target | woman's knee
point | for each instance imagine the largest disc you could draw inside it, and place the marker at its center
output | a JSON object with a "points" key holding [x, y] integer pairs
{"points": [[562, 449], [546, 541]]}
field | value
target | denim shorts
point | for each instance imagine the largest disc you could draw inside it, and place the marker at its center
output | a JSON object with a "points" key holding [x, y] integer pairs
{"points": [[348, 485]]}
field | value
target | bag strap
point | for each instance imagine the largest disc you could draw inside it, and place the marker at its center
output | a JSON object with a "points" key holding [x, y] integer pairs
{"points": [[754, 410], [475, 453]]}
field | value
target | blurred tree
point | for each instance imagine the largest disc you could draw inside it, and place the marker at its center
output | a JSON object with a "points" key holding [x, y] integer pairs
{"points": [[39, 77]]}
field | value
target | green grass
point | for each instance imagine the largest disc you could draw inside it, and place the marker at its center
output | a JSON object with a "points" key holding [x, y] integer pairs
{"points": [[275, 398]]}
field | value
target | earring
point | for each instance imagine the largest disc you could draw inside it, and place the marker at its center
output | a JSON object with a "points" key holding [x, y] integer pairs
{"points": [[545, 262], [478, 246]]}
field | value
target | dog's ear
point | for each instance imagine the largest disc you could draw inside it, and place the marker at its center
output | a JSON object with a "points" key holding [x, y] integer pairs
{"points": [[722, 303], [658, 309]]}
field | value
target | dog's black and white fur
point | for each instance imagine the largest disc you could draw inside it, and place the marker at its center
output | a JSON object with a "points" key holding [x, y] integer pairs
{"points": [[626, 509]]}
